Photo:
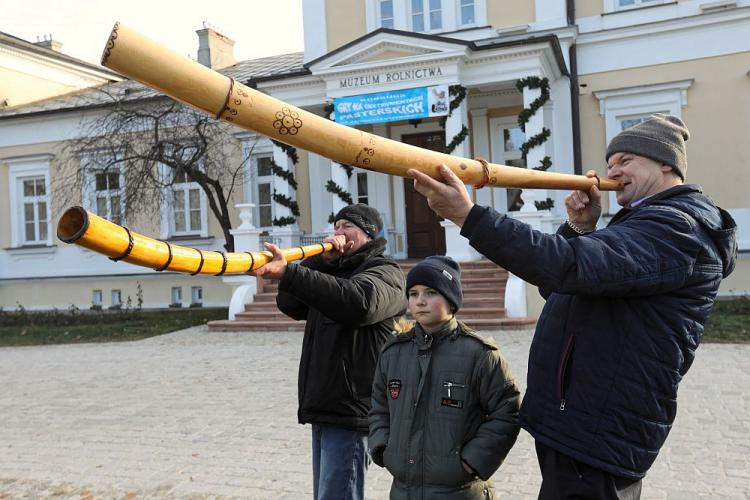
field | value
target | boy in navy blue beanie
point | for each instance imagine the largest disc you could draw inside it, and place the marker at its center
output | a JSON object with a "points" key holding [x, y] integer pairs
{"points": [[453, 385]]}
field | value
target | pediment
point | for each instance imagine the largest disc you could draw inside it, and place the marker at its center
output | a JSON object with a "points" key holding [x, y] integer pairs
{"points": [[385, 51], [386, 45]]}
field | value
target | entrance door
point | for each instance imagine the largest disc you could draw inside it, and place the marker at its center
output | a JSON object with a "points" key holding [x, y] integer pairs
{"points": [[424, 234]]}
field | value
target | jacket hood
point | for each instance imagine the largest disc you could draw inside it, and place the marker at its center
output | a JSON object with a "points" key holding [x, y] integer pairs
{"points": [[717, 222]]}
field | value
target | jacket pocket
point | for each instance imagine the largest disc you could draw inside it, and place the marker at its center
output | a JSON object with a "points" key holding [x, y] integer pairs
{"points": [[564, 371]]}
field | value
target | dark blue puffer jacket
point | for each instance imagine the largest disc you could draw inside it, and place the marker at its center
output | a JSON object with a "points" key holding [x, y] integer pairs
{"points": [[625, 312]]}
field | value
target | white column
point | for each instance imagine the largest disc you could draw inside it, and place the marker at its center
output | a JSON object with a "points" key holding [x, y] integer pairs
{"points": [[480, 135], [535, 155], [246, 239], [338, 175], [561, 138], [289, 235], [456, 246]]}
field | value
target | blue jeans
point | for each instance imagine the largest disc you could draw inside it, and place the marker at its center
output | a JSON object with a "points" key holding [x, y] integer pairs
{"points": [[340, 462]]}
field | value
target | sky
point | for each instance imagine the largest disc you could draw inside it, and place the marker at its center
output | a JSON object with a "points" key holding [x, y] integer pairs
{"points": [[259, 27]]}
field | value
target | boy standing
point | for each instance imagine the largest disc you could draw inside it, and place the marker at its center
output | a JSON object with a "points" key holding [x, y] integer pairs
{"points": [[444, 403]]}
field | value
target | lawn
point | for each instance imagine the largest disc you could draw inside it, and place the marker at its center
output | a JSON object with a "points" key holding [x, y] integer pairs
{"points": [[18, 328], [729, 322]]}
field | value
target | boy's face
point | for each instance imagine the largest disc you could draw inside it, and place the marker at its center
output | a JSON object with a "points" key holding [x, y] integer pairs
{"points": [[428, 307]]}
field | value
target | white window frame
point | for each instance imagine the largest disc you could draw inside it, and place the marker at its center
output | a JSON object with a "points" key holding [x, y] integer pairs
{"points": [[21, 169], [196, 295], [614, 5], [428, 28], [89, 194], [354, 186], [97, 297], [167, 208], [499, 155], [459, 17], [617, 105], [257, 181], [175, 296], [256, 147], [116, 294], [378, 5], [451, 15]]}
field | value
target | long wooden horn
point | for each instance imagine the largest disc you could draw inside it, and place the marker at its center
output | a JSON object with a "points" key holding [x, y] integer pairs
{"points": [[88, 230], [142, 59]]}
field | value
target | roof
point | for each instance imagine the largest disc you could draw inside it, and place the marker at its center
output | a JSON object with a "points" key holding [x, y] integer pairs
{"points": [[130, 91], [14, 41]]}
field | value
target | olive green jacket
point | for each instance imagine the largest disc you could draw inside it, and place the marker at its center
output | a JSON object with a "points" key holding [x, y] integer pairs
{"points": [[437, 400]]}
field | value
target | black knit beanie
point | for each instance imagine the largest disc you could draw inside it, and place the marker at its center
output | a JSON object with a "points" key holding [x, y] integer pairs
{"points": [[440, 273], [364, 216], [659, 137]]}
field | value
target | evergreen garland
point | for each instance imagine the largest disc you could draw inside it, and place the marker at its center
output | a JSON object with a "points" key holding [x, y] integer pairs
{"points": [[534, 82], [458, 93], [290, 151], [457, 139], [284, 174], [288, 176], [284, 221], [332, 187], [285, 200]]}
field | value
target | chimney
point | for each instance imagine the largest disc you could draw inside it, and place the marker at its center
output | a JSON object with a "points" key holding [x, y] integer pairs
{"points": [[214, 49], [48, 43]]}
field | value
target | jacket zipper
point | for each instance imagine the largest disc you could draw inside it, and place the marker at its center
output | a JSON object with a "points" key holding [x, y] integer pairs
{"points": [[562, 370]]}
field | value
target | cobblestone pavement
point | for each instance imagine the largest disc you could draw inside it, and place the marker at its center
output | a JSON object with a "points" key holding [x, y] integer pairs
{"points": [[213, 415]]}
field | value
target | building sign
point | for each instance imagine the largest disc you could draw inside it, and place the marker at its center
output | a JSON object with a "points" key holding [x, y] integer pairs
{"points": [[428, 72], [406, 104]]}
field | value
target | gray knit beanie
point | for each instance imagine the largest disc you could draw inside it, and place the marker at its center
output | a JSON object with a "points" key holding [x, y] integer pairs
{"points": [[659, 137]]}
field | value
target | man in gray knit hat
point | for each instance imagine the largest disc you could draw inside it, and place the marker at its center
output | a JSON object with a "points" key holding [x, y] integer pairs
{"points": [[624, 313]]}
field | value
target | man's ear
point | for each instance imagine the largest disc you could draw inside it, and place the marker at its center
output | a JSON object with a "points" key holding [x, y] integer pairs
{"points": [[667, 168]]}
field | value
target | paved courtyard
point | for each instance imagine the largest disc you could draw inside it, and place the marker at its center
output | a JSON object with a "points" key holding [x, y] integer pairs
{"points": [[212, 415]]}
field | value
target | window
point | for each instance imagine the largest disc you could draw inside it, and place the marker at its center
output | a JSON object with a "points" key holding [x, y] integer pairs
{"points": [[362, 189], [264, 190], [35, 211], [29, 200], [176, 296], [196, 296], [635, 3], [630, 122], [513, 137], [468, 15], [96, 298], [108, 195], [103, 185], [426, 15], [506, 138], [625, 107], [386, 13], [187, 205], [116, 298]]}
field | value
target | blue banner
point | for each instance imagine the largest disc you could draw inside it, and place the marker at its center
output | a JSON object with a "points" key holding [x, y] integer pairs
{"points": [[407, 104]]}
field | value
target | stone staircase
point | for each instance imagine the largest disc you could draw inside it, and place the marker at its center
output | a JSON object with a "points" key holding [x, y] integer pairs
{"points": [[483, 306]]}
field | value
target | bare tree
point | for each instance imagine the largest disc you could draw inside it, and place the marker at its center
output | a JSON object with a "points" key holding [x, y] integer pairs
{"points": [[140, 149]]}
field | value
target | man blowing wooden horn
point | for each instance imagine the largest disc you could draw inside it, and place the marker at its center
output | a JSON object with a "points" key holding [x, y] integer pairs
{"points": [[349, 298], [625, 309]]}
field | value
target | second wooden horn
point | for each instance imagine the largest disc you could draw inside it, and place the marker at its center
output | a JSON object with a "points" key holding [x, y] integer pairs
{"points": [[185, 80]]}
